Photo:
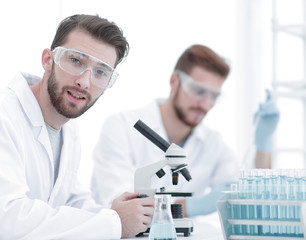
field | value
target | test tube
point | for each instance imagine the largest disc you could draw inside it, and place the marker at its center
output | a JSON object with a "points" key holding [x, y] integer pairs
{"points": [[274, 207], [251, 229], [258, 195], [235, 210], [266, 196], [282, 210], [299, 197], [243, 186], [291, 230]]}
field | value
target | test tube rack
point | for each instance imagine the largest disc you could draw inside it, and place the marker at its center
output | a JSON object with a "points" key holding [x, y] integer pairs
{"points": [[229, 223]]}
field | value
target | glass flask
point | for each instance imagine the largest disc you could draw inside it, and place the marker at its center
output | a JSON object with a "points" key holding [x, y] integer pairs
{"points": [[162, 226]]}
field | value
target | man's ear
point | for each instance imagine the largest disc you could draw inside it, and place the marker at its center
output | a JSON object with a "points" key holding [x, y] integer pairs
{"points": [[174, 84], [47, 60], [174, 81]]}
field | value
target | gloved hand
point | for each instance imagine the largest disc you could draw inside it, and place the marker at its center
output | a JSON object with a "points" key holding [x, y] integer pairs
{"points": [[266, 119], [206, 204]]}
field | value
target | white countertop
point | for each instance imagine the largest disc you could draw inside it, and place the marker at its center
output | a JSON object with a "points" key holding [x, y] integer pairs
{"points": [[205, 228]]}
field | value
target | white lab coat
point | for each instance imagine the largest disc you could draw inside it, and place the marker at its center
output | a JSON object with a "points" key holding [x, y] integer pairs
{"points": [[31, 206], [121, 149]]}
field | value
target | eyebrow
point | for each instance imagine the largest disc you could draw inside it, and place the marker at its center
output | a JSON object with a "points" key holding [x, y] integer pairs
{"points": [[203, 85], [87, 56], [102, 64], [81, 54]]}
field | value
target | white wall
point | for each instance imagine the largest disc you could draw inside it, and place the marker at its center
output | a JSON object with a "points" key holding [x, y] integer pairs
{"points": [[158, 32]]}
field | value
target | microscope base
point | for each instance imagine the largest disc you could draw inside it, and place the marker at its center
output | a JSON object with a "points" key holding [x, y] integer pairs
{"points": [[183, 225]]}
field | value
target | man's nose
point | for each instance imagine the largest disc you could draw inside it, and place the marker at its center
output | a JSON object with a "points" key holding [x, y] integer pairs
{"points": [[206, 102], [83, 81]]}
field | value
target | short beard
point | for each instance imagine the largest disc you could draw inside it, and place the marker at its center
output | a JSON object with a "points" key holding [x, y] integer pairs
{"points": [[56, 98], [180, 112]]}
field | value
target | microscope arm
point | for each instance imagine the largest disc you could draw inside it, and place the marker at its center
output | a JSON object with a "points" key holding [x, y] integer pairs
{"points": [[175, 157], [143, 176]]}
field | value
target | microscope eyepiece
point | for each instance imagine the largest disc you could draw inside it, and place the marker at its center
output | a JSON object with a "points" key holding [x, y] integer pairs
{"points": [[151, 135]]}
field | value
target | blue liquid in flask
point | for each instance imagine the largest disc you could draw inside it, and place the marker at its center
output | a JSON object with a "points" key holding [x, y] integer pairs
{"points": [[162, 226], [162, 232]]}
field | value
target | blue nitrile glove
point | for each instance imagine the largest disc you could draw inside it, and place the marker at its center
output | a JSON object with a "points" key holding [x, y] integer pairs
{"points": [[206, 204], [265, 119]]}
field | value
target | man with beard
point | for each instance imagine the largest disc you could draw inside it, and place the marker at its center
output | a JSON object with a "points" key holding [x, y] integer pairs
{"points": [[195, 87], [40, 196]]}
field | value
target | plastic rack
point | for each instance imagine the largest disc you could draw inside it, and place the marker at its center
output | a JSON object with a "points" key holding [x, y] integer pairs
{"points": [[253, 228]]}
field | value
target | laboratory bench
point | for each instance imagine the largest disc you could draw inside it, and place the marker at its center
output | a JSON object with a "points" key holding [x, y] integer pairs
{"points": [[205, 228]]}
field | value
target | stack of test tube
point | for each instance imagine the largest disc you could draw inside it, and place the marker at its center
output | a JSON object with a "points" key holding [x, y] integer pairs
{"points": [[267, 204]]}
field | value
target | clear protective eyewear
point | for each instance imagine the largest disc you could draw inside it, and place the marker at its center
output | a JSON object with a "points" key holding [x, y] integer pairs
{"points": [[76, 63], [197, 90]]}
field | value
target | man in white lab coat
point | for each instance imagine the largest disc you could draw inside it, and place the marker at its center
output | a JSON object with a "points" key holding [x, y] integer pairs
{"points": [[40, 196], [195, 87]]}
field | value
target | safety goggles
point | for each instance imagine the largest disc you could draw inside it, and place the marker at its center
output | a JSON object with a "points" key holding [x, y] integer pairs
{"points": [[197, 90], [76, 63]]}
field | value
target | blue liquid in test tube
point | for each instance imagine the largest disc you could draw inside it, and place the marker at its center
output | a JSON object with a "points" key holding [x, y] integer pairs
{"points": [[266, 196], [235, 210], [291, 209], [251, 229], [299, 197], [274, 207], [258, 195], [282, 214], [243, 187], [302, 196]]}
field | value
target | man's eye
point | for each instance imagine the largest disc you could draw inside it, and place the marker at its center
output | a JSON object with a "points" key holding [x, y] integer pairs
{"points": [[200, 91], [101, 72], [75, 60]]}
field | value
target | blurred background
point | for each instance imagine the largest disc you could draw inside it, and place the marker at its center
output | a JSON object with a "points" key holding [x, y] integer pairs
{"points": [[263, 40]]}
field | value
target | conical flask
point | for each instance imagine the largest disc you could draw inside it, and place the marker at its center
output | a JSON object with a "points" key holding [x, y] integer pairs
{"points": [[162, 226]]}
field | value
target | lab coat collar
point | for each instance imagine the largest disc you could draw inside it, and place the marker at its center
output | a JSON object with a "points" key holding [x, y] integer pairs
{"points": [[20, 85]]}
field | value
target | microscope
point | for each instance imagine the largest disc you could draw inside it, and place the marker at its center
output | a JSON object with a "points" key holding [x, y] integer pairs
{"points": [[175, 157]]}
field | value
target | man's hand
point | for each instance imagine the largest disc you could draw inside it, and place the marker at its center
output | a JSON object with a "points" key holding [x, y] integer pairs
{"points": [[135, 213]]}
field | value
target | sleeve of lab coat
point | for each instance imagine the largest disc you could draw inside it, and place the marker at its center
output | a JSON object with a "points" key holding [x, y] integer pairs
{"points": [[25, 218], [81, 198], [113, 171]]}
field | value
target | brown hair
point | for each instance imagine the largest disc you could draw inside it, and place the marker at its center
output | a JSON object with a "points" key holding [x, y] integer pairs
{"points": [[99, 28], [198, 55]]}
